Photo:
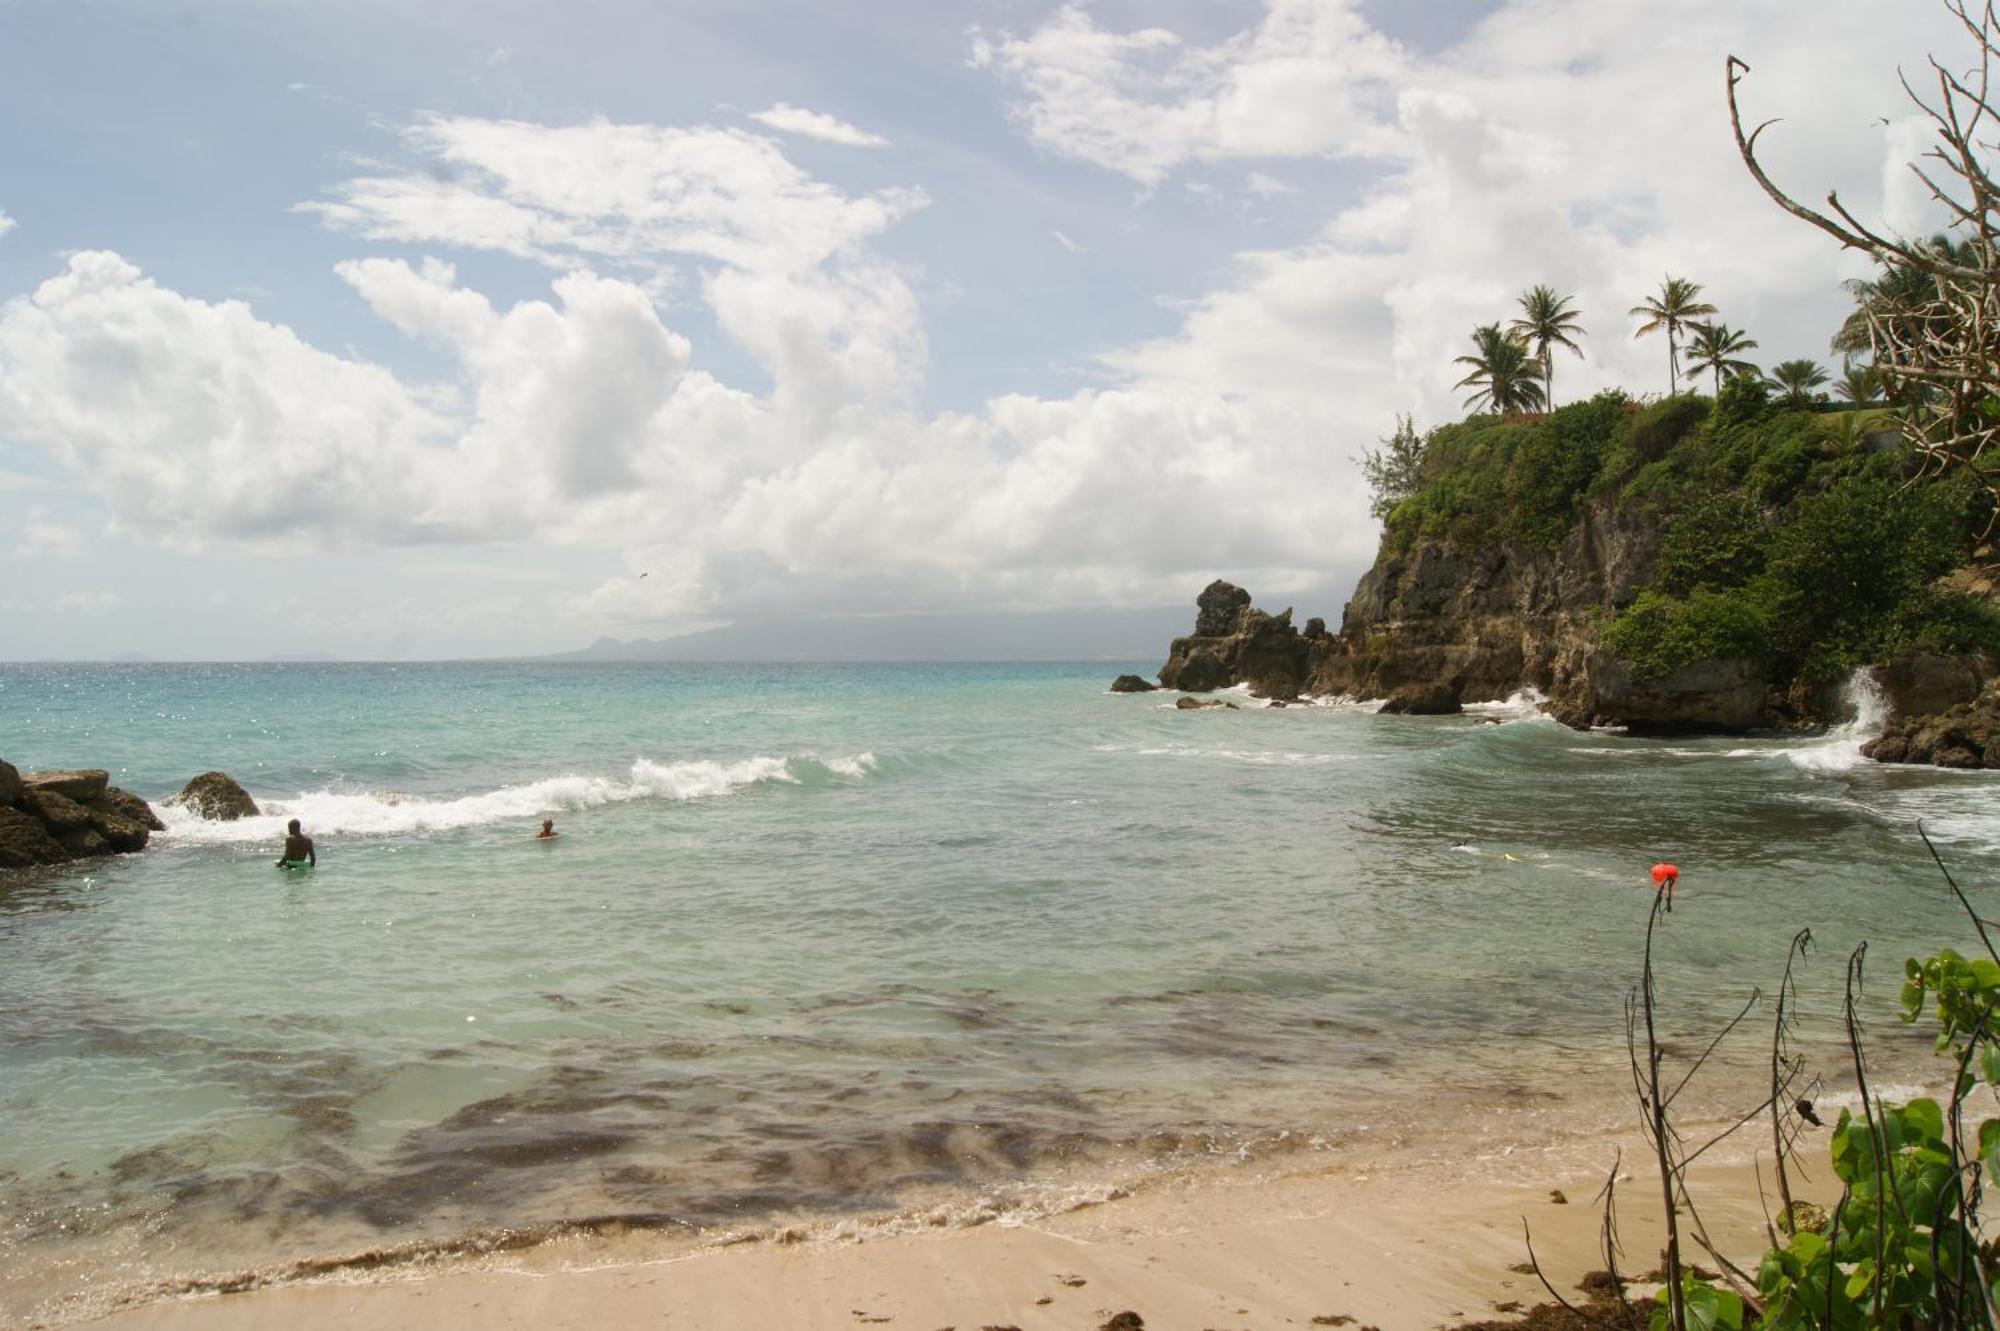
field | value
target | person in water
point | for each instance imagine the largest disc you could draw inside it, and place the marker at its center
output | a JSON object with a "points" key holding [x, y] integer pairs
{"points": [[548, 829], [298, 848]]}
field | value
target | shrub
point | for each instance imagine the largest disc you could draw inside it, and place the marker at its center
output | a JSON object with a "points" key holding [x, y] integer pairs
{"points": [[1661, 426], [1658, 634], [1744, 400], [1717, 542]]}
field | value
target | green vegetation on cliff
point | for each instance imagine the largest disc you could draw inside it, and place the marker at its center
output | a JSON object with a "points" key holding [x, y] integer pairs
{"points": [[1784, 535]]}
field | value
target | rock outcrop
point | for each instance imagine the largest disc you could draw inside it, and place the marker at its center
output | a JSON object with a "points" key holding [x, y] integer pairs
{"points": [[49, 817], [1233, 643], [216, 797], [1132, 684], [1965, 734], [1433, 627]]}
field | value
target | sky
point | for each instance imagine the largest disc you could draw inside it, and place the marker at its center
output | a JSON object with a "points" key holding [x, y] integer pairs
{"points": [[422, 330]]}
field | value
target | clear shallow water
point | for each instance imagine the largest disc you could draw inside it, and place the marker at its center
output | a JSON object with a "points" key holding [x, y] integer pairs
{"points": [[825, 940]]}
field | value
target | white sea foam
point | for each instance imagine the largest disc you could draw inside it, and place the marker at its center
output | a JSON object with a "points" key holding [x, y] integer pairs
{"points": [[1523, 704], [1346, 701], [385, 813], [1255, 757], [1839, 750]]}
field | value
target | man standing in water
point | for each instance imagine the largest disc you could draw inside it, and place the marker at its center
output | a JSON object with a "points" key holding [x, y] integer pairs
{"points": [[299, 852]]}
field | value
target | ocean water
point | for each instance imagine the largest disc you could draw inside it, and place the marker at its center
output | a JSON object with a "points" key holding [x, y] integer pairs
{"points": [[844, 941]]}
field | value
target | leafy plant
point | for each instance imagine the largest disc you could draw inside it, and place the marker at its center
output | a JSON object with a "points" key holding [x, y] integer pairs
{"points": [[1796, 379], [1503, 372], [1676, 307], [1548, 322], [1719, 348], [1395, 470]]}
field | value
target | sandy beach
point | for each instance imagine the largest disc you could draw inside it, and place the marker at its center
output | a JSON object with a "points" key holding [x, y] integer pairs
{"points": [[1407, 1245]]}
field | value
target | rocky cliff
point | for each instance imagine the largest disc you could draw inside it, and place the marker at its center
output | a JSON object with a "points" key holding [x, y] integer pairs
{"points": [[1433, 627], [49, 817]]}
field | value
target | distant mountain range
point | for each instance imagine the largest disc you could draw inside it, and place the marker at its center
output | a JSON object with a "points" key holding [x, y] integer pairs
{"points": [[1067, 635]]}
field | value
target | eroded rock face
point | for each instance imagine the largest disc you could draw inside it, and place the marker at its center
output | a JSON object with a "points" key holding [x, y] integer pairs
{"points": [[216, 797], [25, 841], [1707, 696], [1423, 700], [1236, 644], [82, 786], [1966, 735], [49, 817]]}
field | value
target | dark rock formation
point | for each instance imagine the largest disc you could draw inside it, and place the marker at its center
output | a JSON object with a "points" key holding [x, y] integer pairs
{"points": [[1232, 644], [1196, 704], [1219, 610], [1132, 684], [217, 797], [1964, 735], [49, 817], [81, 786], [1423, 700], [1432, 627], [1707, 696], [24, 841], [1922, 683]]}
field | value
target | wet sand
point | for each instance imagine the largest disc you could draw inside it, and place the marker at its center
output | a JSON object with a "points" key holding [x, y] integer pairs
{"points": [[1410, 1242]]}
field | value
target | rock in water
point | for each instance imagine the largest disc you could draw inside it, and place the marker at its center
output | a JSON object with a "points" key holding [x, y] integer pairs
{"points": [[125, 804], [1423, 700], [25, 841], [1965, 736], [58, 813], [82, 786], [1132, 684], [49, 817], [1233, 643], [216, 797]]}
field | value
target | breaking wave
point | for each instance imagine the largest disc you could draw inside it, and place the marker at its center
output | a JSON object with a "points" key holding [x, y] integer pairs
{"points": [[383, 813]]}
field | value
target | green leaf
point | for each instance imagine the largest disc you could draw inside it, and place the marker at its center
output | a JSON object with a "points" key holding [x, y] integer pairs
{"points": [[1923, 1120]]}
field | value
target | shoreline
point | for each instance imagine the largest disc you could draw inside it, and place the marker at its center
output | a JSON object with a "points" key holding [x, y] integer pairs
{"points": [[1404, 1241]]}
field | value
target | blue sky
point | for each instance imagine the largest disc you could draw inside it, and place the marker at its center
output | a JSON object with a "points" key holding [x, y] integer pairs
{"points": [[996, 306]]}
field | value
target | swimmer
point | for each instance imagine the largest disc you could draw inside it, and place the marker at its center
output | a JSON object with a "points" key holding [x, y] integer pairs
{"points": [[299, 852], [548, 831]]}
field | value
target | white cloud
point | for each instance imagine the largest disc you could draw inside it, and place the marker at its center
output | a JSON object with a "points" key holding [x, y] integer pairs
{"points": [[1311, 78], [44, 536], [788, 119], [601, 192], [88, 603], [6, 223], [198, 420], [1566, 141], [1067, 244]]}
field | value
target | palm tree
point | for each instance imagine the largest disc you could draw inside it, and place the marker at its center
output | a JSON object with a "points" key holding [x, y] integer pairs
{"points": [[1673, 309], [1547, 322], [1503, 371], [1797, 379], [1859, 384], [1896, 292], [1716, 347]]}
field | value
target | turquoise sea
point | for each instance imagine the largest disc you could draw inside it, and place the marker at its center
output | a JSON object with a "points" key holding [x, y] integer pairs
{"points": [[841, 941]]}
